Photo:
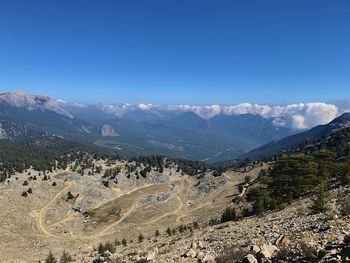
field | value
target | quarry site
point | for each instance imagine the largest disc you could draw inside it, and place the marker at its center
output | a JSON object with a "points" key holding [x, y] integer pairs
{"points": [[74, 213]]}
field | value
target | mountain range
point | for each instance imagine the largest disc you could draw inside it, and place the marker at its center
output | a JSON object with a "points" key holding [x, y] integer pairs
{"points": [[209, 133]]}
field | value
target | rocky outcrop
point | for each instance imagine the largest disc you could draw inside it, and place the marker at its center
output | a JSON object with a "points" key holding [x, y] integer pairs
{"points": [[21, 99], [107, 130]]}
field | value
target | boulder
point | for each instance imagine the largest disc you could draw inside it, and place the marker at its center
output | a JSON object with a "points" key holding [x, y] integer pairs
{"points": [[255, 249], [250, 259], [268, 250], [106, 254], [191, 253]]}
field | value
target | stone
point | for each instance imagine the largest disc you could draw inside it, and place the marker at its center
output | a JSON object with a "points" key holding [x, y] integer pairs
{"points": [[208, 259], [106, 254], [151, 256], [283, 241], [200, 244], [250, 259], [335, 217], [191, 253], [268, 251], [200, 255], [255, 249]]}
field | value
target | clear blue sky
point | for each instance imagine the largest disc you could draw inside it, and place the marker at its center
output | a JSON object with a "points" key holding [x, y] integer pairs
{"points": [[196, 52]]}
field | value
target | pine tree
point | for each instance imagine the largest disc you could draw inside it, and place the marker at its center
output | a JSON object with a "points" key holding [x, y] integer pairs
{"points": [[319, 204], [50, 258]]}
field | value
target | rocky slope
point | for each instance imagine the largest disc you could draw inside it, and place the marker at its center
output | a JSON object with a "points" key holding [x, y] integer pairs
{"points": [[290, 235]]}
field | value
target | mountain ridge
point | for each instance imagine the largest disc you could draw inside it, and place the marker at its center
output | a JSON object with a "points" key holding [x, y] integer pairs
{"points": [[288, 143]]}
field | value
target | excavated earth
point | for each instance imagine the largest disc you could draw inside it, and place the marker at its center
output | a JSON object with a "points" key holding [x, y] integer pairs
{"points": [[44, 221]]}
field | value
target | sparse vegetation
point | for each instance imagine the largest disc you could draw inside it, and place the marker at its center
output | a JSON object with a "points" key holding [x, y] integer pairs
{"points": [[66, 257], [104, 247], [140, 238], [168, 231], [345, 206], [50, 258], [124, 242], [228, 215]]}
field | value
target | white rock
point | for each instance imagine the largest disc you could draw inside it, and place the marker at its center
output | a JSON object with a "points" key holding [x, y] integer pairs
{"points": [[255, 248], [191, 253], [151, 256], [250, 259], [208, 259], [268, 251]]}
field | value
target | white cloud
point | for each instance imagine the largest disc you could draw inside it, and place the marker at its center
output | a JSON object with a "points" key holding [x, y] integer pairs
{"points": [[61, 101], [319, 113], [298, 116], [146, 107], [80, 105], [298, 121]]}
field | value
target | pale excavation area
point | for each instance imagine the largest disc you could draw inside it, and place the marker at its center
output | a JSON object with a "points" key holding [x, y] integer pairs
{"points": [[75, 212]]}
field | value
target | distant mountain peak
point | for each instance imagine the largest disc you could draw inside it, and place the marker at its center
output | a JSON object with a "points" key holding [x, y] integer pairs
{"points": [[21, 99]]}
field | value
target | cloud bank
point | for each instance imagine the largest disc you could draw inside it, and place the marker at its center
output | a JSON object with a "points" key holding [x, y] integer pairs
{"points": [[298, 116]]}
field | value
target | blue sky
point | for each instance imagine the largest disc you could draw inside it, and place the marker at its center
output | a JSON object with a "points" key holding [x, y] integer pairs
{"points": [[174, 52]]}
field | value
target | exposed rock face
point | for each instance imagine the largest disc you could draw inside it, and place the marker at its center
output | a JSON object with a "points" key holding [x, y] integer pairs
{"points": [[107, 130], [32, 102], [3, 134]]}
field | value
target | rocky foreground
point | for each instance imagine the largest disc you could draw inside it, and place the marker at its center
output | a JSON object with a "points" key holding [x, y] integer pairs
{"points": [[290, 235]]}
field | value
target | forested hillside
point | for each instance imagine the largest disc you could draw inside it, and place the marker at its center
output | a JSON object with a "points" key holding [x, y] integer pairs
{"points": [[315, 168]]}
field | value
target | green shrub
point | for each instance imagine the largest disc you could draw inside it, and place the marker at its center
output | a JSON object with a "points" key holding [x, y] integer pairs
{"points": [[228, 215], [50, 258], [168, 231], [140, 238], [124, 242], [66, 257]]}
